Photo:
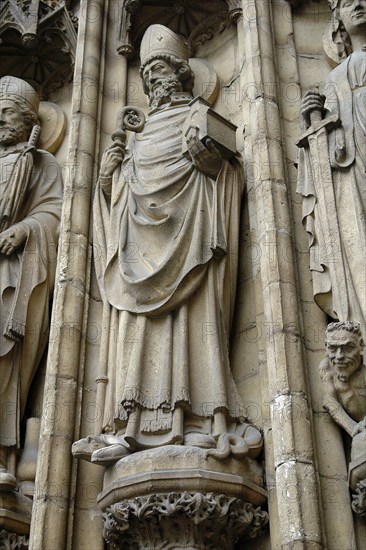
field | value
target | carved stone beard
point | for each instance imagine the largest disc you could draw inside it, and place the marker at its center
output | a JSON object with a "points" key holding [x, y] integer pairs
{"points": [[346, 373], [11, 135], [163, 89]]}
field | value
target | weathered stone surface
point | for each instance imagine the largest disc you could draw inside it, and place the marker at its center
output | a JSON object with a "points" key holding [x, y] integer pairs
{"points": [[179, 496], [359, 499], [15, 514]]}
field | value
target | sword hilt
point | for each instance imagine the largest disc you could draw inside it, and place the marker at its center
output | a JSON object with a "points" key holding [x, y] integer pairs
{"points": [[317, 124], [316, 117]]}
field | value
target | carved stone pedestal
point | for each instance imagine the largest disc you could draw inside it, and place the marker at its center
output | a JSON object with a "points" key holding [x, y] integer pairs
{"points": [[15, 517], [176, 497]]}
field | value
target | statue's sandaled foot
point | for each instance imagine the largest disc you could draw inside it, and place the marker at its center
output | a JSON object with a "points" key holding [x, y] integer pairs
{"points": [[109, 455], [84, 448], [7, 481]]}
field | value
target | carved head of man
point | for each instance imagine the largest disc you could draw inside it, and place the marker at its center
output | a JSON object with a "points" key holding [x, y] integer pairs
{"points": [[344, 348], [164, 65], [348, 20], [18, 110]]}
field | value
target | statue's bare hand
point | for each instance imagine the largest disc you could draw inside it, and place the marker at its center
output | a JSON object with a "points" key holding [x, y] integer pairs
{"points": [[112, 157], [207, 158], [12, 238], [312, 101]]}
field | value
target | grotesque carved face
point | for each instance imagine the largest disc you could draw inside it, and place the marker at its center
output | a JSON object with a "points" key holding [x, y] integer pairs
{"points": [[353, 15], [161, 81], [344, 351], [12, 127]]}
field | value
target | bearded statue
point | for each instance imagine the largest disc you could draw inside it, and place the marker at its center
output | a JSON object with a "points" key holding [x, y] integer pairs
{"points": [[30, 207], [166, 238]]}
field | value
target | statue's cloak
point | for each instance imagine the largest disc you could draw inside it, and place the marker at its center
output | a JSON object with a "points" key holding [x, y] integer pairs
{"points": [[167, 221], [26, 284]]}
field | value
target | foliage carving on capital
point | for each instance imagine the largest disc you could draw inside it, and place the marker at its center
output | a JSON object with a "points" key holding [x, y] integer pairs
{"points": [[193, 520], [359, 499], [12, 541]]}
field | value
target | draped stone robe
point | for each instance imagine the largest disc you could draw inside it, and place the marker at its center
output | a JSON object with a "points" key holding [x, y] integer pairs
{"points": [[166, 251], [26, 282], [345, 92]]}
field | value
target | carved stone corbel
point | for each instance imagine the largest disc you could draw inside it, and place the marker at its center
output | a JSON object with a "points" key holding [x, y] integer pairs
{"points": [[182, 497], [344, 390]]}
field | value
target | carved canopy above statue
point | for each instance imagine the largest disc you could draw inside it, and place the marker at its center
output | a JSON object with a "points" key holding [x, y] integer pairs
{"points": [[38, 42], [194, 21]]}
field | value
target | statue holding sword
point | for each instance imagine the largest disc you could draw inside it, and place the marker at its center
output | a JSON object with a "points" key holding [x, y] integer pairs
{"points": [[332, 163]]}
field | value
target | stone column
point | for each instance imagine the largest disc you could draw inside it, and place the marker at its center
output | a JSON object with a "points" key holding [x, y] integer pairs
{"points": [[87, 521], [54, 471], [294, 506]]}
